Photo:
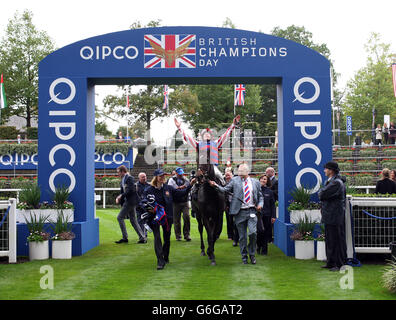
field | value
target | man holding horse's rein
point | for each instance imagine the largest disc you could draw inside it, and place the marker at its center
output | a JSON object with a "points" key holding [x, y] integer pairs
{"points": [[246, 201], [207, 144]]}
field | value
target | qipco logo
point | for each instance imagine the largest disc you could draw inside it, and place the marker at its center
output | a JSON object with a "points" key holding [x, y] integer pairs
{"points": [[310, 130], [64, 131]]}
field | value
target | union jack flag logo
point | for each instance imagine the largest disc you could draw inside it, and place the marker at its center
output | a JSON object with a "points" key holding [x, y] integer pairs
{"points": [[169, 51], [239, 95]]}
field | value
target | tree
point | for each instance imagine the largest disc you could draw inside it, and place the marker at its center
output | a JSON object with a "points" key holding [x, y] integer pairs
{"points": [[371, 87], [22, 48]]}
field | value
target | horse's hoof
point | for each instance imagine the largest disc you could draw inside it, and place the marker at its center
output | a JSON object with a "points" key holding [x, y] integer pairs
{"points": [[202, 253], [213, 263]]}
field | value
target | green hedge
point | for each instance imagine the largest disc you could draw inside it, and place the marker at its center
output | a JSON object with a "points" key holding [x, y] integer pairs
{"points": [[8, 133], [11, 148], [367, 165]]}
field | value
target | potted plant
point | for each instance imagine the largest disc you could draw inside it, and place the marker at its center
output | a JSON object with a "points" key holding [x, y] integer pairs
{"points": [[63, 236], [29, 203], [303, 238], [321, 245], [301, 206], [38, 237]]}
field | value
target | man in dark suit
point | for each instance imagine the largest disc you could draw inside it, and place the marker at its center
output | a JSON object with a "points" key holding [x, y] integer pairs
{"points": [[332, 198], [270, 173], [128, 200]]}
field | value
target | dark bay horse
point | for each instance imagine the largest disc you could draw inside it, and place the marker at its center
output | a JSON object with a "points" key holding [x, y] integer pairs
{"points": [[209, 207]]}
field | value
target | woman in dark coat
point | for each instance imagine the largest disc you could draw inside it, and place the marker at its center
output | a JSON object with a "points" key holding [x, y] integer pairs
{"points": [[267, 216], [164, 195], [385, 185]]}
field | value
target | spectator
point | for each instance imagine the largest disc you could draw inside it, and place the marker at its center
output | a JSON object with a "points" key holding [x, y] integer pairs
{"points": [[141, 185], [266, 217], [232, 231], [358, 139], [120, 136], [228, 168], [378, 135], [164, 195], [128, 199], [270, 173], [181, 206], [385, 131], [332, 198], [392, 175], [385, 185], [19, 138], [392, 133]]}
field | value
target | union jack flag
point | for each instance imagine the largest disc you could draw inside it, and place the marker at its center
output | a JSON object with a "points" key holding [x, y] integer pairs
{"points": [[169, 51], [239, 95], [166, 97]]}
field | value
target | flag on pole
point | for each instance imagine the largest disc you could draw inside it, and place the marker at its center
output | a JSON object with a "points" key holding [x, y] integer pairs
{"points": [[394, 77], [166, 97], [3, 100], [239, 95]]}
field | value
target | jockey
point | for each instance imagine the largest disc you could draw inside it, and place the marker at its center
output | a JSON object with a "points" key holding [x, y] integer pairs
{"points": [[207, 144]]}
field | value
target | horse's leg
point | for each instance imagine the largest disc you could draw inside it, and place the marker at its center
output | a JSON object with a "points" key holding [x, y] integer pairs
{"points": [[200, 229], [210, 230]]}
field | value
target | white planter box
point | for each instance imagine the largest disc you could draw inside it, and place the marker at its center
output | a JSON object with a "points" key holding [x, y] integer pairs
{"points": [[38, 250], [61, 249], [304, 249], [321, 251], [24, 215], [314, 215]]}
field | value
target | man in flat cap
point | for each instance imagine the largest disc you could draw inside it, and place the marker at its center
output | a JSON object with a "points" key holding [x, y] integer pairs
{"points": [[332, 197]]}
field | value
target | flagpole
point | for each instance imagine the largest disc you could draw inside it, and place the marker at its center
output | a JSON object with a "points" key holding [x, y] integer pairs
{"points": [[127, 116]]}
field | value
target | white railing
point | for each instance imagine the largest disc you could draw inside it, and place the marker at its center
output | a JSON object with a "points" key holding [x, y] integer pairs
{"points": [[8, 238]]}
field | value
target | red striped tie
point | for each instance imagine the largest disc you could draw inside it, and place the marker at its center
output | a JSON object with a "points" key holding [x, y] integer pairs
{"points": [[246, 191]]}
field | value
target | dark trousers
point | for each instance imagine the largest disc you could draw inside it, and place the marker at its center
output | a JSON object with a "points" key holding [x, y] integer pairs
{"points": [[386, 138], [162, 250], [335, 245], [230, 224], [180, 208], [264, 233]]}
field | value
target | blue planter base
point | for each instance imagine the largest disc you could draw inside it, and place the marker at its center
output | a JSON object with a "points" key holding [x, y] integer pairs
{"points": [[87, 237], [282, 232]]}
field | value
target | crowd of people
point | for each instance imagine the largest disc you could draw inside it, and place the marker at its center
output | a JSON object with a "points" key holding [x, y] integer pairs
{"points": [[173, 196], [381, 135]]}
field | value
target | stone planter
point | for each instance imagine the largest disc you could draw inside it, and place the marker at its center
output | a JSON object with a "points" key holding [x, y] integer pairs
{"points": [[23, 215], [304, 249], [321, 251], [38, 250], [61, 249], [313, 215]]}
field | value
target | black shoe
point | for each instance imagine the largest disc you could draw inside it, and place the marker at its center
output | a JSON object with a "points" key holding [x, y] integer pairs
{"points": [[142, 241], [166, 260], [244, 261], [178, 239], [334, 269], [160, 267], [253, 259], [122, 240], [326, 266], [188, 239], [234, 244]]}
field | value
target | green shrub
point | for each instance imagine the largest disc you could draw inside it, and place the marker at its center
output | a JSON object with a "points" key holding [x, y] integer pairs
{"points": [[32, 133], [368, 152], [303, 229], [8, 133], [367, 165], [31, 196], [363, 179], [345, 166]]}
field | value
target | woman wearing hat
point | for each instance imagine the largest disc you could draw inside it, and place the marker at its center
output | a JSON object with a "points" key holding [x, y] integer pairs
{"points": [[332, 197], [164, 195]]}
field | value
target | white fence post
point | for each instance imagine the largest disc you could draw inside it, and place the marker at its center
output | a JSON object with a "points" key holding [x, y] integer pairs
{"points": [[12, 233]]}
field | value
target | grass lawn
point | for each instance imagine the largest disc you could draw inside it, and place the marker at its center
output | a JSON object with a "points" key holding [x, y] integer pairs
{"points": [[128, 271]]}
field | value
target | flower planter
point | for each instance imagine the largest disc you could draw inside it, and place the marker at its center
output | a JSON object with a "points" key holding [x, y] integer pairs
{"points": [[61, 249], [304, 249], [23, 215], [321, 251], [38, 250], [313, 215]]}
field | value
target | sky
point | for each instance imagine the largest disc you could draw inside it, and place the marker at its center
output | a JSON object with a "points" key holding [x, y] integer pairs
{"points": [[343, 25]]}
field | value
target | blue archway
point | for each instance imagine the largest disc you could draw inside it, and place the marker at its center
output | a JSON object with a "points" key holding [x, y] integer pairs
{"points": [[174, 55]]}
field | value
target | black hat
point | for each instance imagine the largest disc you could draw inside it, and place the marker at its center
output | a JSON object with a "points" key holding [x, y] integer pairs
{"points": [[332, 165], [158, 172]]}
